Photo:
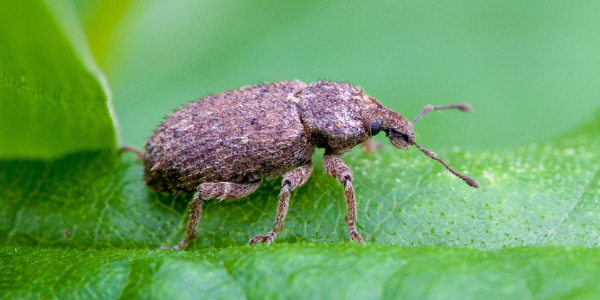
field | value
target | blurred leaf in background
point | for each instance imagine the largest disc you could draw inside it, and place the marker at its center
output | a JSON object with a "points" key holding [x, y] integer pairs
{"points": [[529, 69], [53, 98]]}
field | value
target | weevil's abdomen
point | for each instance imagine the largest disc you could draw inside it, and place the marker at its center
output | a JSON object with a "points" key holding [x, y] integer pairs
{"points": [[236, 136]]}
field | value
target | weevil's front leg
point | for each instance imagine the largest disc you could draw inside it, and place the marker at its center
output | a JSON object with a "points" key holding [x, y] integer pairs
{"points": [[290, 182], [336, 168], [370, 146], [211, 190]]}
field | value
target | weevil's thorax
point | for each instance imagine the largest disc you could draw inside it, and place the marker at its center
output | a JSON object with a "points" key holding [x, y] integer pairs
{"points": [[332, 114]]}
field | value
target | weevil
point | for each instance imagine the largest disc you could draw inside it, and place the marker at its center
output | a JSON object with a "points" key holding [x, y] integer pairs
{"points": [[223, 146]]}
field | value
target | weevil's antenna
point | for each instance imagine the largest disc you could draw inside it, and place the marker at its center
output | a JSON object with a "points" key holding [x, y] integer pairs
{"points": [[470, 181], [428, 108]]}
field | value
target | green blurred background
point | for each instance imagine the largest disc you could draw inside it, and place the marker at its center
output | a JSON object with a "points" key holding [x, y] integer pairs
{"points": [[530, 69]]}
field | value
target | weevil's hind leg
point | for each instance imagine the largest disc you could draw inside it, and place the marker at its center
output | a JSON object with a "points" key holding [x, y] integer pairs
{"points": [[336, 168], [290, 182], [138, 153], [212, 190]]}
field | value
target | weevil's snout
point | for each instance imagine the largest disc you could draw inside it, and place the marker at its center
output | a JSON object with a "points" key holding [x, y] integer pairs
{"points": [[400, 139], [396, 127]]}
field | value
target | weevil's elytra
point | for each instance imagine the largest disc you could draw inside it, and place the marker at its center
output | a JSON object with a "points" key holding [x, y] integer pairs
{"points": [[224, 145]]}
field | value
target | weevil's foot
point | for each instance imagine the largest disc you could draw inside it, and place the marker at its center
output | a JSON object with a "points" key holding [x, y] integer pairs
{"points": [[265, 239], [177, 247], [354, 235]]}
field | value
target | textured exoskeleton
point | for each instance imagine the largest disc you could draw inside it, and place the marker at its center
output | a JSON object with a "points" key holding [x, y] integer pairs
{"points": [[224, 145]]}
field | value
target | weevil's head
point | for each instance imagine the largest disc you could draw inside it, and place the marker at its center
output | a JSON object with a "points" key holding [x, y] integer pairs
{"points": [[378, 118]]}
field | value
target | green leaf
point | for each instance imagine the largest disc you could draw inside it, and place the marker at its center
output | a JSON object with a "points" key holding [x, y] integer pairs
{"points": [[533, 196], [303, 271], [53, 98], [538, 195], [83, 225]]}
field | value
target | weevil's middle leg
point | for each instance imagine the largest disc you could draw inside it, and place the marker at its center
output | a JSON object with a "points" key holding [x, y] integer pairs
{"points": [[336, 168], [290, 182], [211, 190]]}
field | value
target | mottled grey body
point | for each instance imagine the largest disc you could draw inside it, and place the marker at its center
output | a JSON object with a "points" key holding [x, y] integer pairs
{"points": [[255, 132], [224, 145], [237, 136]]}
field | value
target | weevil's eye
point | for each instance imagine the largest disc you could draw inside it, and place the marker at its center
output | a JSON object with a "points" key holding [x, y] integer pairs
{"points": [[375, 128]]}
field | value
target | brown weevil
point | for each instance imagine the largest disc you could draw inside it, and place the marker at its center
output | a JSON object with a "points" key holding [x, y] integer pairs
{"points": [[224, 145]]}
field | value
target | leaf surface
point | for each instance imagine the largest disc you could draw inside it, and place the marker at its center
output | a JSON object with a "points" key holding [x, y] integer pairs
{"points": [[303, 271], [537, 195], [531, 231]]}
